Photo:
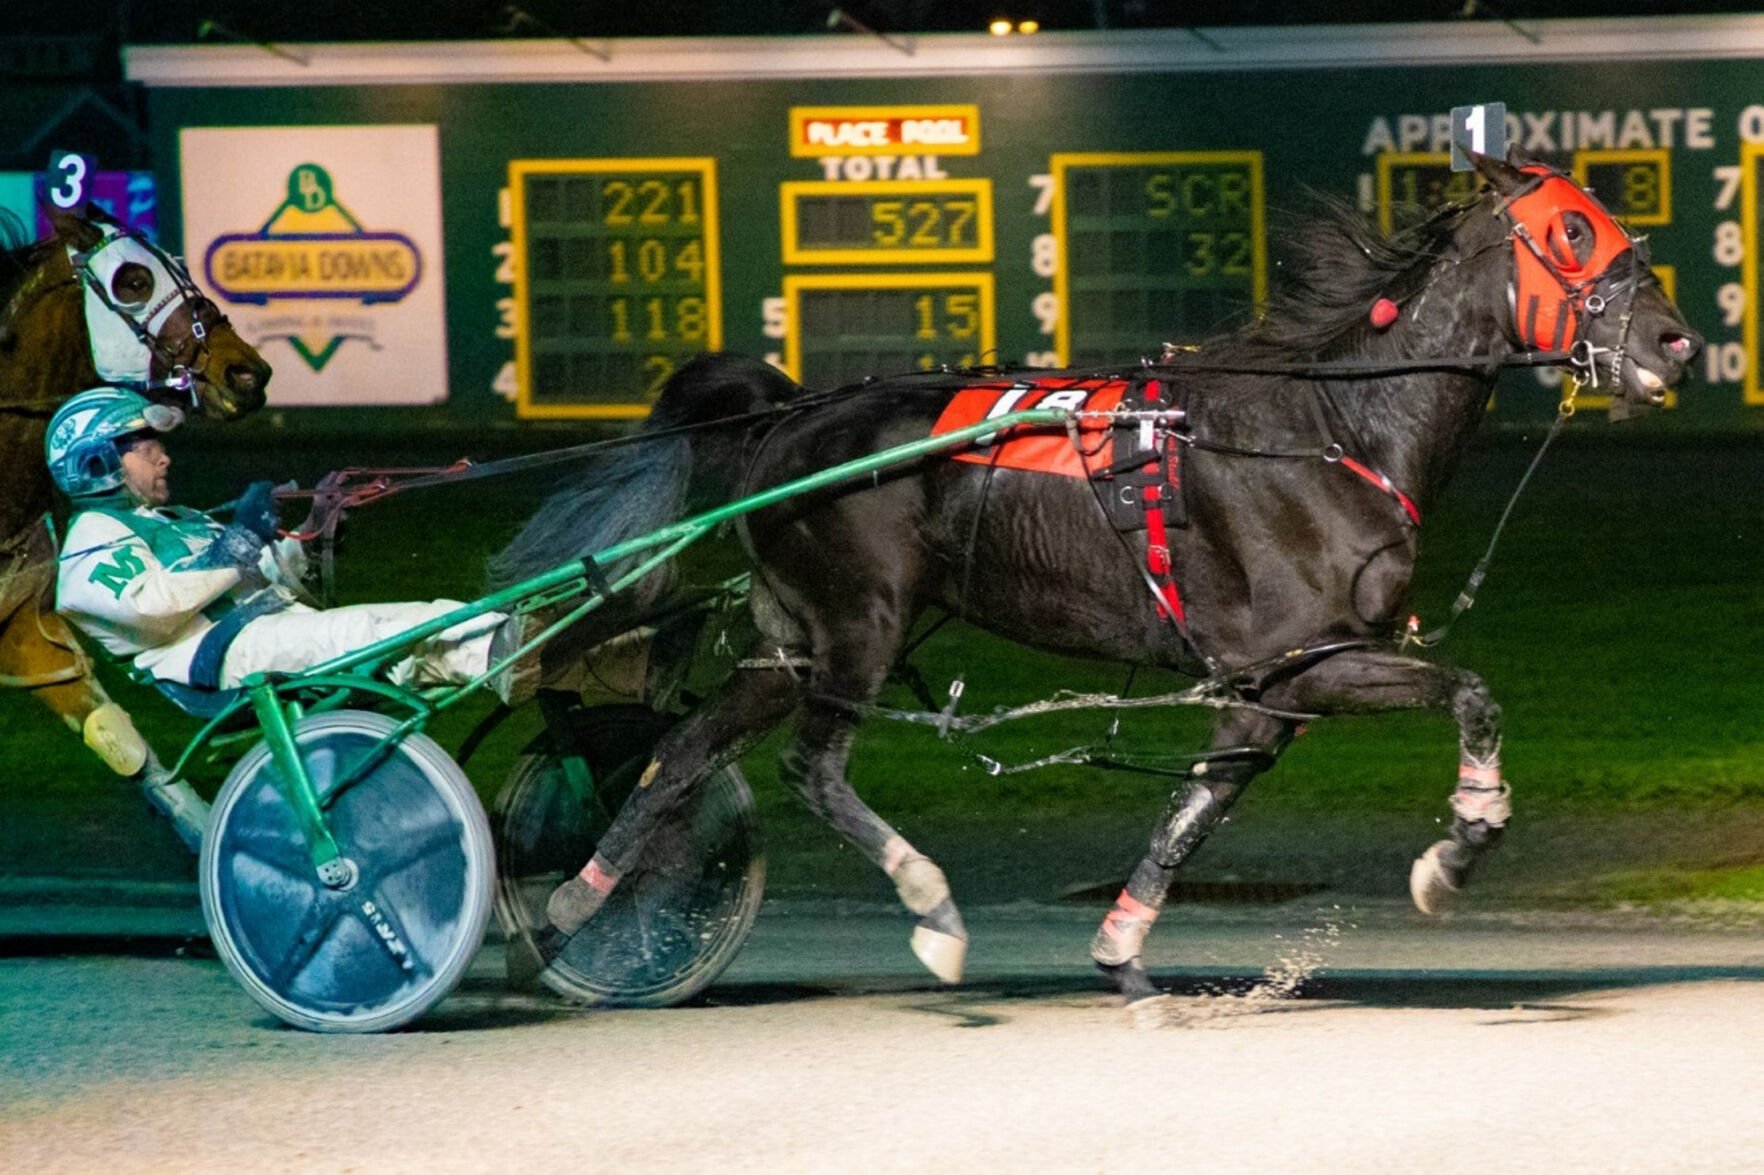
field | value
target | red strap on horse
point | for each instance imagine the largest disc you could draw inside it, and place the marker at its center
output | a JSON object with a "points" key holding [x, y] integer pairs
{"points": [[1384, 483], [1157, 535], [1157, 557]]}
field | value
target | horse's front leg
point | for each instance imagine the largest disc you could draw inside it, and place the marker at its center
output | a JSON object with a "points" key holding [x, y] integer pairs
{"points": [[1244, 744], [814, 765], [1365, 682]]}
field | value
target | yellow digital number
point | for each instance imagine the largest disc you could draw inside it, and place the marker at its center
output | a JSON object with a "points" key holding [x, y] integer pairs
{"points": [[690, 260], [963, 312], [960, 319], [690, 317], [658, 368], [961, 219], [687, 190], [621, 195], [889, 217], [925, 306], [928, 217], [652, 260], [655, 202], [1641, 189]]}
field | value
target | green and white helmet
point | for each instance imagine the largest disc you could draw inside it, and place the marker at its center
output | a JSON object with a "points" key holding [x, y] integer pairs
{"points": [[81, 443]]}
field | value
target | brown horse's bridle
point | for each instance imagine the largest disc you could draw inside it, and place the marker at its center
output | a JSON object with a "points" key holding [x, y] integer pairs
{"points": [[180, 358]]}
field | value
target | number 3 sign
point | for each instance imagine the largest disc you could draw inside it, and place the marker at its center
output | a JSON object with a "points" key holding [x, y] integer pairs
{"points": [[69, 179]]}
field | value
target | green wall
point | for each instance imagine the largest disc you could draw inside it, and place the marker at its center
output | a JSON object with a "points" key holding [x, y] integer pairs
{"points": [[1312, 128]]}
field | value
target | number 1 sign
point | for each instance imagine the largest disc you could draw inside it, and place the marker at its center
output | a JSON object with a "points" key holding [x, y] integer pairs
{"points": [[1482, 129]]}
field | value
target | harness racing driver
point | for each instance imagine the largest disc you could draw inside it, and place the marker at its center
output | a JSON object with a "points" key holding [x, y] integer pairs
{"points": [[198, 604]]}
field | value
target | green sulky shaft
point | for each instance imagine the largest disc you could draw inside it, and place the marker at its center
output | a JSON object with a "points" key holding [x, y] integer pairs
{"points": [[680, 534]]}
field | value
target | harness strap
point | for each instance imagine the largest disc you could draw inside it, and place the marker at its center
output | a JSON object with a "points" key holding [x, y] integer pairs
{"points": [[1384, 483], [1162, 468]]}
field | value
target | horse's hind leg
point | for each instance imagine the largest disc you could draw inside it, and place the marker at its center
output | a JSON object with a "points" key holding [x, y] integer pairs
{"points": [[1244, 744], [749, 704], [37, 645], [1368, 681]]}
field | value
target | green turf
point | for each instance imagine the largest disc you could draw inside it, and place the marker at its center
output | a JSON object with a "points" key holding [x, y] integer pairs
{"points": [[1619, 630]]}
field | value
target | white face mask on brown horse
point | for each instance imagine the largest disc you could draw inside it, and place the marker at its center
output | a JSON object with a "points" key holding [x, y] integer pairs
{"points": [[132, 290]]}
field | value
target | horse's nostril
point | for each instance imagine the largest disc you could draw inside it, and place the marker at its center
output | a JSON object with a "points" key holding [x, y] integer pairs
{"points": [[242, 377], [1680, 346]]}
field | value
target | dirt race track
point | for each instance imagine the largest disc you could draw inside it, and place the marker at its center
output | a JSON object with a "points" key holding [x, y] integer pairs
{"points": [[1514, 1043]]}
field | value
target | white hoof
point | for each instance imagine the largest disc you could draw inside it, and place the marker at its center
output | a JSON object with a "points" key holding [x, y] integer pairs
{"points": [[1429, 884], [942, 954]]}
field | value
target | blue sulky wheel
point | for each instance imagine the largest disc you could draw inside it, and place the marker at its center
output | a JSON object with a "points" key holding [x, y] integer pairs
{"points": [[679, 917], [379, 951]]}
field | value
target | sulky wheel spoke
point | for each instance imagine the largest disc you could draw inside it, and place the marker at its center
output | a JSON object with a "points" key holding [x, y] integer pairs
{"points": [[315, 928], [277, 853], [382, 919], [422, 845]]}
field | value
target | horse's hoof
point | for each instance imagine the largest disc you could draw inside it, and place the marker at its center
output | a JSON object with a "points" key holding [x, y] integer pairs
{"points": [[526, 957], [1131, 980], [943, 954], [572, 904], [1154, 1011], [522, 963], [1430, 880]]}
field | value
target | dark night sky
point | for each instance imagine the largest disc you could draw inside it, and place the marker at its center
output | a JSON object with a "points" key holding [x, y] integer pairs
{"points": [[318, 20]]}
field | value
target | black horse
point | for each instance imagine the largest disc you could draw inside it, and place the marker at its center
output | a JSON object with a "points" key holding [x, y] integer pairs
{"points": [[1311, 444]]}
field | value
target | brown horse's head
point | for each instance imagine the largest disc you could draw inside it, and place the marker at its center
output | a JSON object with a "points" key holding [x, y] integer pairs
{"points": [[146, 322]]}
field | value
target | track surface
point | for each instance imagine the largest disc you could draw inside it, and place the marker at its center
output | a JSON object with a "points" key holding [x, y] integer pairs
{"points": [[1519, 1042]]}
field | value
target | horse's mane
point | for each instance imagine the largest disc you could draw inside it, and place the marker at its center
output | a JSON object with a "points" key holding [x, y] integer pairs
{"points": [[1338, 261], [23, 276]]}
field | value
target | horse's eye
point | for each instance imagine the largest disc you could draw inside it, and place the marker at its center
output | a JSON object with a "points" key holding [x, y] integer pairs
{"points": [[132, 283], [1570, 240]]}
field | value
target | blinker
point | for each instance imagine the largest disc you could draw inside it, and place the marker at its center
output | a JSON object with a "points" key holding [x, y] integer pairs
{"points": [[1551, 284]]}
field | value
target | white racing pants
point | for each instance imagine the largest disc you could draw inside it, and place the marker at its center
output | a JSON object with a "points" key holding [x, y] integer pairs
{"points": [[301, 637]]}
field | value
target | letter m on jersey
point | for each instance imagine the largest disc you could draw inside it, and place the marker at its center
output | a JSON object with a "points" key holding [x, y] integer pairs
{"points": [[117, 573]]}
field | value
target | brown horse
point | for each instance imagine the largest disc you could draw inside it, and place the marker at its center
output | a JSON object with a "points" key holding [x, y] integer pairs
{"points": [[192, 357]]}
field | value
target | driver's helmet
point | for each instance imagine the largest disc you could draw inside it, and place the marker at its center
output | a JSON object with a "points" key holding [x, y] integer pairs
{"points": [[81, 443]]}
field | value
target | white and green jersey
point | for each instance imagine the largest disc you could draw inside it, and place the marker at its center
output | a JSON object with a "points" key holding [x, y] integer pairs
{"points": [[143, 584]]}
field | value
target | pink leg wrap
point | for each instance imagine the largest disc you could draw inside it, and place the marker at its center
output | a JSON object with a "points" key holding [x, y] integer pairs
{"points": [[1478, 775], [595, 876], [1122, 933], [1482, 794]]}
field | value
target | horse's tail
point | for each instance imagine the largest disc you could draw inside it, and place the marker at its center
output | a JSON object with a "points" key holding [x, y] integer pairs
{"points": [[635, 489]]}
